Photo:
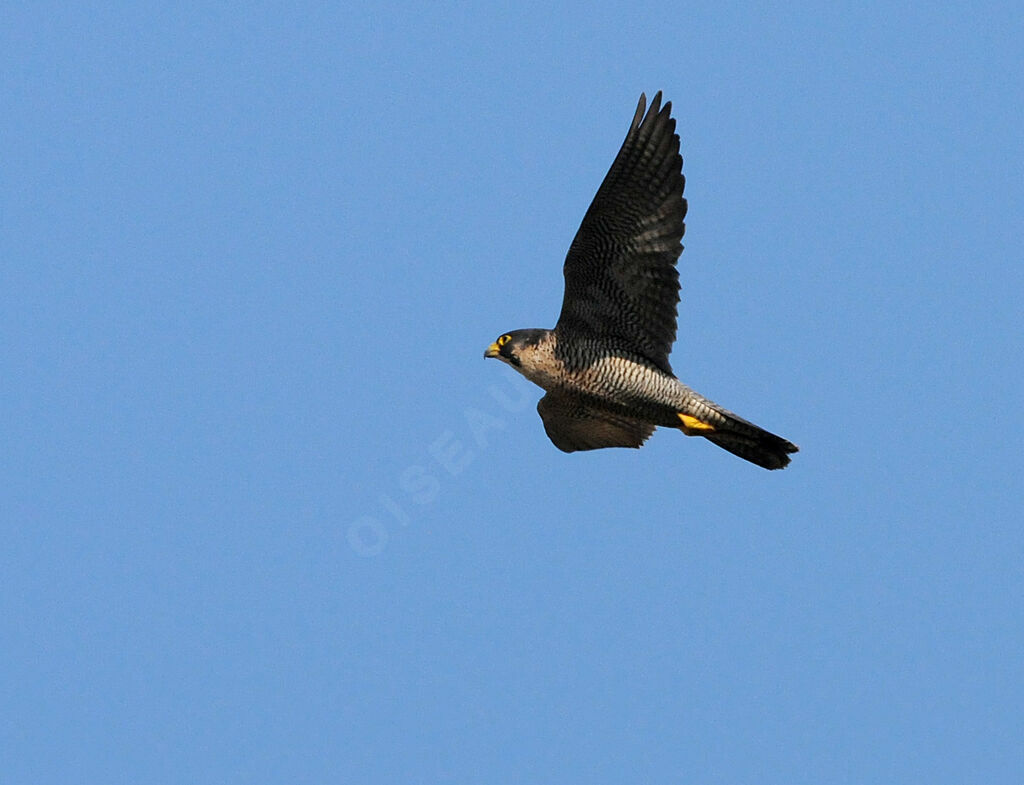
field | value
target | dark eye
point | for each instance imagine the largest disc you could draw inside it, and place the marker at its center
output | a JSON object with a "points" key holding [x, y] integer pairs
{"points": [[504, 340]]}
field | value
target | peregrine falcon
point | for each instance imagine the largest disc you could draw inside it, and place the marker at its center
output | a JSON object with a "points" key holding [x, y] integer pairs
{"points": [[605, 366]]}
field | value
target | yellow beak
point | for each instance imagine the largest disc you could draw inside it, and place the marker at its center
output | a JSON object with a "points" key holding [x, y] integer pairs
{"points": [[492, 350]]}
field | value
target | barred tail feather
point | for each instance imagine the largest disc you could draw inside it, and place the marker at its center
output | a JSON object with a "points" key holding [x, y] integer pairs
{"points": [[745, 439], [763, 448]]}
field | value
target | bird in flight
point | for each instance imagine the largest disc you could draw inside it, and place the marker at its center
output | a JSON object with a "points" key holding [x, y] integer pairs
{"points": [[605, 365]]}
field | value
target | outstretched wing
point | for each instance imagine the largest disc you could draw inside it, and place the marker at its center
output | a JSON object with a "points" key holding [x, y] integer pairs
{"points": [[573, 425], [621, 282]]}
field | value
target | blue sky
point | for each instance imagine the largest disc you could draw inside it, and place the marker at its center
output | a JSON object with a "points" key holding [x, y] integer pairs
{"points": [[269, 516]]}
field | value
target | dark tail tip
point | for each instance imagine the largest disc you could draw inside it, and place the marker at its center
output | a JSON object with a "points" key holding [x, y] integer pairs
{"points": [[765, 449]]}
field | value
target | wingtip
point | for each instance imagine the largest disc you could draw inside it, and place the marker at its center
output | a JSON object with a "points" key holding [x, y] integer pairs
{"points": [[656, 109], [641, 106], [656, 103]]}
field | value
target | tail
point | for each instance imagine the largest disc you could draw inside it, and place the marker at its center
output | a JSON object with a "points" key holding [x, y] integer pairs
{"points": [[736, 435]]}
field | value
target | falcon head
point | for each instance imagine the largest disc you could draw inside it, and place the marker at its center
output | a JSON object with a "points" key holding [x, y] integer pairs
{"points": [[511, 347]]}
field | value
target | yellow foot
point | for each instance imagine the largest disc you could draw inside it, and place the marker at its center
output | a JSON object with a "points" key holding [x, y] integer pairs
{"points": [[693, 427]]}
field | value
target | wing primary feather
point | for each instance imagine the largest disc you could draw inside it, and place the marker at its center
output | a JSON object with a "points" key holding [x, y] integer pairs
{"points": [[639, 114]]}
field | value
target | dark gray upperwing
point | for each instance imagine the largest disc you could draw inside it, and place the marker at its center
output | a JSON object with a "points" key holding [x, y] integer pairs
{"points": [[621, 281], [572, 425]]}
